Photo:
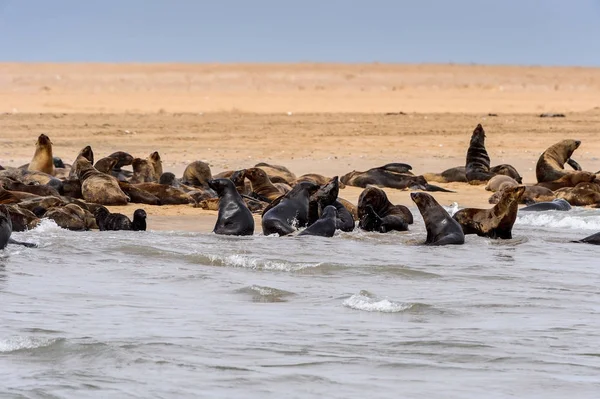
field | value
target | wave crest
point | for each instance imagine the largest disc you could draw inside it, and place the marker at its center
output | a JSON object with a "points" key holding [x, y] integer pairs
{"points": [[365, 301]]}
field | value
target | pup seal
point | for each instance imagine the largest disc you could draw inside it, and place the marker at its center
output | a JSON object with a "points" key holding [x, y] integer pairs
{"points": [[118, 221], [98, 187], [377, 213], [493, 223], [500, 182], [262, 187], [557, 204], [234, 216], [6, 230], [289, 211], [550, 165], [42, 159], [441, 228], [325, 226], [477, 168]]}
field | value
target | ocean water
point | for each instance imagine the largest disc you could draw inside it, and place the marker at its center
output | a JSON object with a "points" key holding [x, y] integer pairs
{"points": [[361, 315]]}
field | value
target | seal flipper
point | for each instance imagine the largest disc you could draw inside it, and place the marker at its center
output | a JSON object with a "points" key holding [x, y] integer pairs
{"points": [[25, 244], [431, 187], [397, 168], [572, 163], [345, 220]]}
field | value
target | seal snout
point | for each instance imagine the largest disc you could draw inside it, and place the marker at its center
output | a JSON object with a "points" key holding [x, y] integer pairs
{"points": [[577, 143]]}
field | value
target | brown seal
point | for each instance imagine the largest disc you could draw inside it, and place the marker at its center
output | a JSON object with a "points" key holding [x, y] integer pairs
{"points": [[137, 195], [43, 160], [571, 179], [22, 219], [143, 171], [452, 175], [168, 195], [496, 222], [70, 217], [441, 228], [38, 189], [98, 187], [106, 165], [580, 195], [87, 153], [377, 213], [262, 187], [277, 173], [317, 179], [156, 162], [500, 182], [197, 174], [532, 194], [551, 164]]}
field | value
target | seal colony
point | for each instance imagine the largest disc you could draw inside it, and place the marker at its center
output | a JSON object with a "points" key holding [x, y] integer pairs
{"points": [[76, 196]]}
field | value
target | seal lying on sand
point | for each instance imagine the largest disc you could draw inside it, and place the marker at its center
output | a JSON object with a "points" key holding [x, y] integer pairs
{"points": [[118, 221], [234, 216], [496, 222], [557, 204], [42, 159], [500, 182], [570, 179], [532, 195], [98, 187], [550, 165], [377, 213], [6, 230], [289, 211], [197, 174], [262, 186], [325, 226], [393, 175], [277, 173], [441, 228], [477, 167], [316, 178]]}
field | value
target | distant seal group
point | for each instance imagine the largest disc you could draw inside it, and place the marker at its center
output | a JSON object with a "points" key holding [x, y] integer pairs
{"points": [[77, 196]]}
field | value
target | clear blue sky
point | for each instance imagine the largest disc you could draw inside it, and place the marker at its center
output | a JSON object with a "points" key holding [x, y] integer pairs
{"points": [[542, 32]]}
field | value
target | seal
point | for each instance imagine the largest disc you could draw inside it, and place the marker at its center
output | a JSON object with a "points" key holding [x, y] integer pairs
{"points": [[98, 187], [169, 179], [507, 170], [594, 239], [393, 175], [167, 195], [87, 153], [70, 217], [493, 223], [500, 182], [22, 219], [477, 167], [441, 228], [137, 195], [452, 175], [117, 221], [570, 179], [317, 179], [156, 163], [277, 173], [197, 174], [289, 211], [42, 161], [6, 230], [532, 195], [377, 213], [327, 195], [325, 226], [551, 164], [234, 217], [557, 204], [578, 196], [143, 171], [262, 187], [105, 165]]}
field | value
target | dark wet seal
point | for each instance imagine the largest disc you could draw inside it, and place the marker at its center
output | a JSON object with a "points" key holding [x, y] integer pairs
{"points": [[551, 115]]}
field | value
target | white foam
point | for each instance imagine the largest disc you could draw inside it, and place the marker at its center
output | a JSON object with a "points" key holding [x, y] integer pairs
{"points": [[18, 343], [238, 260], [47, 226], [559, 219], [362, 301]]}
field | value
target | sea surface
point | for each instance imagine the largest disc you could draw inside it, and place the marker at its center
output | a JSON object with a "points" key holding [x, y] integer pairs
{"points": [[167, 314]]}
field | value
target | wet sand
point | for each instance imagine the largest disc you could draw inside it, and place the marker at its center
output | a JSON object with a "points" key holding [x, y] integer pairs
{"points": [[327, 119]]}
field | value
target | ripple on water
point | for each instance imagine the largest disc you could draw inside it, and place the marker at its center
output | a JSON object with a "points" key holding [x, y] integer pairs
{"points": [[265, 294], [367, 302], [19, 343]]}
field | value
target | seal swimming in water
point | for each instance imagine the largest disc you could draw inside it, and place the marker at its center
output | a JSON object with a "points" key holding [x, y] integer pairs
{"points": [[377, 213], [477, 167], [557, 204], [6, 230], [551, 164], [441, 228], [289, 211], [117, 221], [325, 226], [234, 216], [493, 223], [42, 161]]}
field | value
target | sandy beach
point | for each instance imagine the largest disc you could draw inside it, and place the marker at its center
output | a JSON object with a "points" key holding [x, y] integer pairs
{"points": [[313, 118]]}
